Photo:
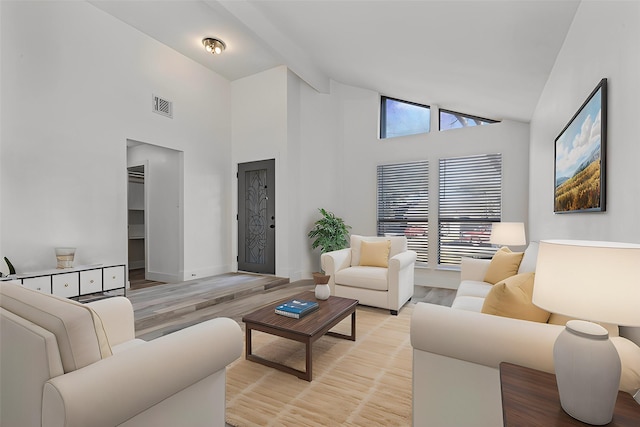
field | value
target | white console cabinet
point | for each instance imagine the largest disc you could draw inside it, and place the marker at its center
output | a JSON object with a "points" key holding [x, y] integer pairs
{"points": [[77, 281]]}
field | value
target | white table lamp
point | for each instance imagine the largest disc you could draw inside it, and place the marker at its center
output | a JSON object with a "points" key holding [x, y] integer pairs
{"points": [[508, 233], [597, 281]]}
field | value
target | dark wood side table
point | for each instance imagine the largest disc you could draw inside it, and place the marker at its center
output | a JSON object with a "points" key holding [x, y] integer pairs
{"points": [[530, 398]]}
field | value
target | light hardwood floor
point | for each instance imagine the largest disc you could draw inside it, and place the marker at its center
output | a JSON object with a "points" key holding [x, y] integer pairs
{"points": [[165, 308]]}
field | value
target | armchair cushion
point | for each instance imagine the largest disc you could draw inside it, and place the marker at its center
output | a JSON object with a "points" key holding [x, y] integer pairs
{"points": [[364, 277], [78, 329], [116, 314], [503, 264], [375, 254]]}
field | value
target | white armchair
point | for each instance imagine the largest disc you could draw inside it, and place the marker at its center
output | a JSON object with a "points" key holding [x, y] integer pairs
{"points": [[69, 364], [387, 287]]}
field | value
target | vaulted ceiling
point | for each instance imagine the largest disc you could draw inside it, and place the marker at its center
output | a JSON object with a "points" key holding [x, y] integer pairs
{"points": [[486, 58]]}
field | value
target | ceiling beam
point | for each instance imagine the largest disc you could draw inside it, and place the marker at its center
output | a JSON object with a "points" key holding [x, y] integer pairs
{"points": [[291, 55]]}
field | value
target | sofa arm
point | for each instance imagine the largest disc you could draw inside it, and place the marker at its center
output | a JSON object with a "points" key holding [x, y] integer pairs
{"points": [[473, 269], [483, 339], [117, 318], [117, 388]]}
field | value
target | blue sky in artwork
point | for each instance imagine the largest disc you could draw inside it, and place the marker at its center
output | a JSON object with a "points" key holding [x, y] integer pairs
{"points": [[580, 139]]}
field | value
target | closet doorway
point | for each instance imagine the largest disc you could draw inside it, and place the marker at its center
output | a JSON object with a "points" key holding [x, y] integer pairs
{"points": [[136, 225], [155, 225]]}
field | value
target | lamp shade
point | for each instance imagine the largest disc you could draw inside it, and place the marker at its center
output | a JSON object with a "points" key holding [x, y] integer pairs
{"points": [[508, 233], [597, 281]]}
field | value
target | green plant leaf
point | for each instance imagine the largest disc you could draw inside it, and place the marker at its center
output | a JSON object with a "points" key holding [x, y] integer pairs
{"points": [[329, 233], [11, 269]]}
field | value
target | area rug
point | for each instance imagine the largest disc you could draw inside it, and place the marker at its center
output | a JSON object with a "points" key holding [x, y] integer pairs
{"points": [[361, 383]]}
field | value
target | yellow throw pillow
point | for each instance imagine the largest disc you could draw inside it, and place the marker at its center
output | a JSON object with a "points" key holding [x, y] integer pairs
{"points": [[375, 254], [512, 298], [503, 264]]}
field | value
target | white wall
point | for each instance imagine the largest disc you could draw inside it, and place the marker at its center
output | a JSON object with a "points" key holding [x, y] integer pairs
{"points": [[260, 132], [67, 112], [362, 151], [603, 42], [328, 148]]}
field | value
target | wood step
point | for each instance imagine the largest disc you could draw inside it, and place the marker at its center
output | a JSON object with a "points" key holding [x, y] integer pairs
{"points": [[163, 302]]}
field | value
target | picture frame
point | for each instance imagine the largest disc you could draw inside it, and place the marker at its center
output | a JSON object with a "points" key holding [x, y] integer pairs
{"points": [[579, 157]]}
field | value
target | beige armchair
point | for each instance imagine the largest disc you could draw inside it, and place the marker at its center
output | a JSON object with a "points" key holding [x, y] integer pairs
{"points": [[372, 277], [69, 364]]}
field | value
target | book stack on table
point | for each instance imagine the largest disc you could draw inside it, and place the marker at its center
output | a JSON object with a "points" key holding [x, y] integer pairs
{"points": [[296, 308]]}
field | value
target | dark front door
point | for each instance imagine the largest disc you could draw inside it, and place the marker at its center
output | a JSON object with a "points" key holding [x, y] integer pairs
{"points": [[256, 217]]}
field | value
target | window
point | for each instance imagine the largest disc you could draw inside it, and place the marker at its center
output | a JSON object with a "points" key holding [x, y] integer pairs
{"points": [[452, 120], [403, 204], [470, 201], [398, 118]]}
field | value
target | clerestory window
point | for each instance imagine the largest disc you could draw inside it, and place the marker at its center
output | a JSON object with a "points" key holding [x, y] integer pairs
{"points": [[454, 120], [399, 118]]}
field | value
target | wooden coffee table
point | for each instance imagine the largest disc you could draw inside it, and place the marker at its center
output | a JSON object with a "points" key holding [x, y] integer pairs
{"points": [[306, 330]]}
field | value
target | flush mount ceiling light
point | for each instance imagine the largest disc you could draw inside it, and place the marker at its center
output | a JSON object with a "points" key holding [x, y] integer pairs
{"points": [[214, 46]]}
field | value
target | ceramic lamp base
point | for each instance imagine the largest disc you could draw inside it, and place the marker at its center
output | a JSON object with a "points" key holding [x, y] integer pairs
{"points": [[587, 369]]}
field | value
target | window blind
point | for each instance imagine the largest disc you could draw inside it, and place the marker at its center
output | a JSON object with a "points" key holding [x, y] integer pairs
{"points": [[470, 200], [403, 204]]}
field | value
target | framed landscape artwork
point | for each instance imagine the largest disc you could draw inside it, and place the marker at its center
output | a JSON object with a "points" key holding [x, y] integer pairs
{"points": [[580, 157]]}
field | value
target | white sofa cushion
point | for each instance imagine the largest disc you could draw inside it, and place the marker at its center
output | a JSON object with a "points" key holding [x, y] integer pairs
{"points": [[398, 244], [470, 295], [473, 288], [374, 278], [629, 354], [529, 259], [468, 303], [78, 330]]}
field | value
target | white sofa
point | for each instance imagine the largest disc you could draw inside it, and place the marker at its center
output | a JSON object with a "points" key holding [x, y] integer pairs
{"points": [[457, 351], [78, 365], [382, 287]]}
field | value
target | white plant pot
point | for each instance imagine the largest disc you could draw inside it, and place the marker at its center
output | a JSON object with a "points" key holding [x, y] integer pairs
{"points": [[323, 291]]}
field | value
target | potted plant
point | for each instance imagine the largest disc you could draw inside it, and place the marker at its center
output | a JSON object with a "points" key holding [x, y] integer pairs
{"points": [[329, 233]]}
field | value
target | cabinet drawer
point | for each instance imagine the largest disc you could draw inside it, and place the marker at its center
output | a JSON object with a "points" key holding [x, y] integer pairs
{"points": [[66, 285], [113, 277], [41, 284], [90, 282]]}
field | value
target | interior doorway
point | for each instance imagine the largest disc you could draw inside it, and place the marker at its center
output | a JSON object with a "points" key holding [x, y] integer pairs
{"points": [[156, 214], [256, 217], [136, 225]]}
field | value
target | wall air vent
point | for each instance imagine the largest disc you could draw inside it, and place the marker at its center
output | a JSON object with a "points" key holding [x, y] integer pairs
{"points": [[162, 106]]}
